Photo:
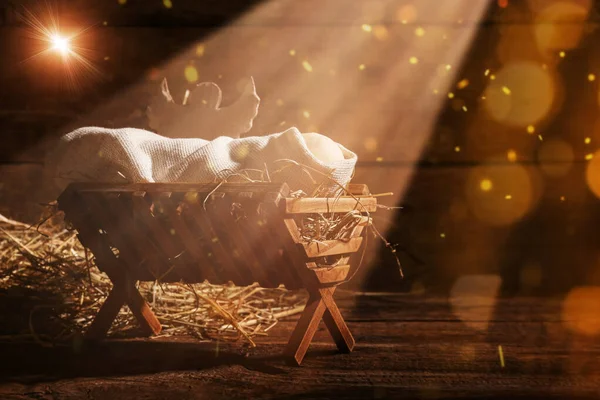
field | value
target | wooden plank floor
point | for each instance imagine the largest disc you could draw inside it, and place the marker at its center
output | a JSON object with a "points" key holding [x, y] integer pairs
{"points": [[407, 346]]}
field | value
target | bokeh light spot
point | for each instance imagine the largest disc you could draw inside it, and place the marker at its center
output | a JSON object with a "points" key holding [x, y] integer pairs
{"points": [[406, 13], [191, 74], [580, 310], [420, 32], [413, 60], [531, 93], [367, 27], [168, 3], [591, 77], [511, 155], [560, 25], [462, 84], [485, 185], [370, 144], [307, 66], [381, 32]]}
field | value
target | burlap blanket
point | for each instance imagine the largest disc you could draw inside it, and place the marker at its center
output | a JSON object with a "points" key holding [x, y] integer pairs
{"points": [[95, 154]]}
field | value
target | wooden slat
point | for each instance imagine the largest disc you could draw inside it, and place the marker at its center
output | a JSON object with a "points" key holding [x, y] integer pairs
{"points": [[331, 247], [155, 187], [329, 205], [358, 189], [292, 229], [328, 276]]}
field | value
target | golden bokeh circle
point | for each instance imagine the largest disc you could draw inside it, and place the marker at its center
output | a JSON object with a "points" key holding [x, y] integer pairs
{"points": [[522, 94], [592, 174], [580, 310], [560, 26], [407, 13]]}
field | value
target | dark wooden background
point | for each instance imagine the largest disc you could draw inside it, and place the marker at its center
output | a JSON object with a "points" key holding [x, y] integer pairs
{"points": [[397, 116]]}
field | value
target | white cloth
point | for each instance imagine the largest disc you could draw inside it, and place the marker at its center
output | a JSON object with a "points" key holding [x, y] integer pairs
{"points": [[94, 154]]}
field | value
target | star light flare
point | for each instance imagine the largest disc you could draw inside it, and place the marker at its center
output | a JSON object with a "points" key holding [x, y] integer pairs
{"points": [[60, 44]]}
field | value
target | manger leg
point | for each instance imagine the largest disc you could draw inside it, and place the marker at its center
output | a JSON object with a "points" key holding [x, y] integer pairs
{"points": [[141, 310], [335, 322], [107, 313], [305, 329]]}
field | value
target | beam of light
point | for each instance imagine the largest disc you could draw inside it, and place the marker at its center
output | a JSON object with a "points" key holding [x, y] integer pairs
{"points": [[46, 29], [373, 79]]}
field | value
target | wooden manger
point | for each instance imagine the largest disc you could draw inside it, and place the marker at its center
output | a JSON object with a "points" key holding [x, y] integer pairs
{"points": [[238, 232]]}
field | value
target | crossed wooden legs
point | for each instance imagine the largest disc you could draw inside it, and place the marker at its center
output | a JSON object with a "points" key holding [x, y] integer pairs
{"points": [[123, 292], [320, 305]]}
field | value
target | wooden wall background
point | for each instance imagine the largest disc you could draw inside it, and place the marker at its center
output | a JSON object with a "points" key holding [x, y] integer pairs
{"points": [[536, 227]]}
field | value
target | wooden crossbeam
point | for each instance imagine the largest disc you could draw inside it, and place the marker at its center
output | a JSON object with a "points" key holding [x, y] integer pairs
{"points": [[331, 247], [328, 205]]}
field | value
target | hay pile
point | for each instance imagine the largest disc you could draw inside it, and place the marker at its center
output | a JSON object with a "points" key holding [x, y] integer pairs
{"points": [[50, 290]]}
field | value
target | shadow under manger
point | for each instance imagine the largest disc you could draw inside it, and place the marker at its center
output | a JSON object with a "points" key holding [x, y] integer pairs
{"points": [[31, 362]]}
